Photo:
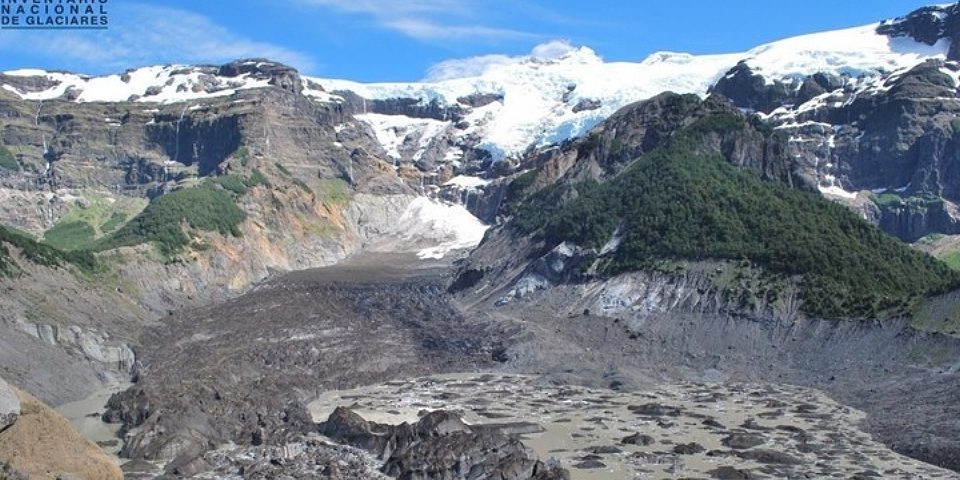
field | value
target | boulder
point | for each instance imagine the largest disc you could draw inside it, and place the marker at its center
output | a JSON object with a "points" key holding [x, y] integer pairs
{"points": [[439, 445], [638, 439], [741, 441], [9, 405]]}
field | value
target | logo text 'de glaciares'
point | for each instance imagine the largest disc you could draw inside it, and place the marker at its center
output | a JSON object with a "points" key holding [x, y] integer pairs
{"points": [[53, 14]]}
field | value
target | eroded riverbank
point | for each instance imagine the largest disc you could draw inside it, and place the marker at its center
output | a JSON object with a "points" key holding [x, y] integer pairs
{"points": [[85, 416]]}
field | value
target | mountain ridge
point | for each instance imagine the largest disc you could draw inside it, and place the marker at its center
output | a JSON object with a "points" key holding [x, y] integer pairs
{"points": [[311, 234]]}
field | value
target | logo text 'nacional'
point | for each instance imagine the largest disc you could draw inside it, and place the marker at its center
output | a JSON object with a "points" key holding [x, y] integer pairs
{"points": [[53, 14]]}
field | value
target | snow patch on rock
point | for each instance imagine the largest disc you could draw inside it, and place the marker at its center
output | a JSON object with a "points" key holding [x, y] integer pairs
{"points": [[156, 84]]}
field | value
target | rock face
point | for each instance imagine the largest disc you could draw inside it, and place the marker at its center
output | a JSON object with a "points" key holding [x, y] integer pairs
{"points": [[44, 445], [928, 25], [441, 447], [276, 74], [76, 158], [309, 458], [750, 90], [9, 405], [61, 144], [894, 135]]}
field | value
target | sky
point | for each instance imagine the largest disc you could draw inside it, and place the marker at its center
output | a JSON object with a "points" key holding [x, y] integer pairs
{"points": [[404, 40]]}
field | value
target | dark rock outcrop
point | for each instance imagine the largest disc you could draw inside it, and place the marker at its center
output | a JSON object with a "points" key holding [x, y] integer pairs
{"points": [[587, 104], [278, 74], [928, 25], [439, 446], [410, 107], [750, 90], [913, 218], [741, 441], [477, 100], [638, 439]]}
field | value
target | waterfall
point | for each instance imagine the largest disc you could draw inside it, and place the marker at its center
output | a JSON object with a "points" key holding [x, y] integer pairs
{"points": [[46, 149], [266, 141], [176, 156]]}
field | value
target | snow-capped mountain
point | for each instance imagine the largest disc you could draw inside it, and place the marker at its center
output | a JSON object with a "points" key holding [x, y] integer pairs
{"points": [[470, 114], [507, 106], [547, 100]]}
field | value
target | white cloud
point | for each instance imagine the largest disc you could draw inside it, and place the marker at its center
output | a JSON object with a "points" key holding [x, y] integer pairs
{"points": [[427, 30], [475, 66], [465, 67], [552, 50], [426, 19], [142, 35]]}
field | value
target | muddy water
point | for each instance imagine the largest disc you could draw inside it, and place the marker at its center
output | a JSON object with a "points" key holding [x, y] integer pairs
{"points": [[85, 417], [693, 430]]}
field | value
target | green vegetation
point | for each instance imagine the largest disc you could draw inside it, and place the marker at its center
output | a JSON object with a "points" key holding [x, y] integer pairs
{"points": [[931, 238], [231, 183], [89, 220], [239, 185], [275, 202], [243, 154], [940, 314], [892, 199], [7, 160], [677, 202], [303, 186], [282, 169], [952, 259], [208, 206], [258, 178], [39, 253], [334, 191], [162, 222], [114, 222], [70, 235], [523, 182]]}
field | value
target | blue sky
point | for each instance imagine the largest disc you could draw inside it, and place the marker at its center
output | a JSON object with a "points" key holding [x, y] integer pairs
{"points": [[376, 40]]}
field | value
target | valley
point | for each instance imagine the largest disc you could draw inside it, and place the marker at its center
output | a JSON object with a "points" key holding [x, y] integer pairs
{"points": [[734, 266]]}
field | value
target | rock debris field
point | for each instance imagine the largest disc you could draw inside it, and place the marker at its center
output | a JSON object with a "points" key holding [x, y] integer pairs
{"points": [[725, 431]]}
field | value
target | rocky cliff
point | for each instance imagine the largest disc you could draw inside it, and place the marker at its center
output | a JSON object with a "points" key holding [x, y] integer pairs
{"points": [[310, 186]]}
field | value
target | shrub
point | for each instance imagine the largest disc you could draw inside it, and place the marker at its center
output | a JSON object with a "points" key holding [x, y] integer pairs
{"points": [[162, 223], [677, 202], [7, 160], [39, 253], [243, 154], [115, 220], [70, 235]]}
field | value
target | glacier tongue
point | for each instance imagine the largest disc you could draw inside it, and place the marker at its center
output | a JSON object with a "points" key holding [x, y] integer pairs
{"points": [[452, 225], [548, 101]]}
